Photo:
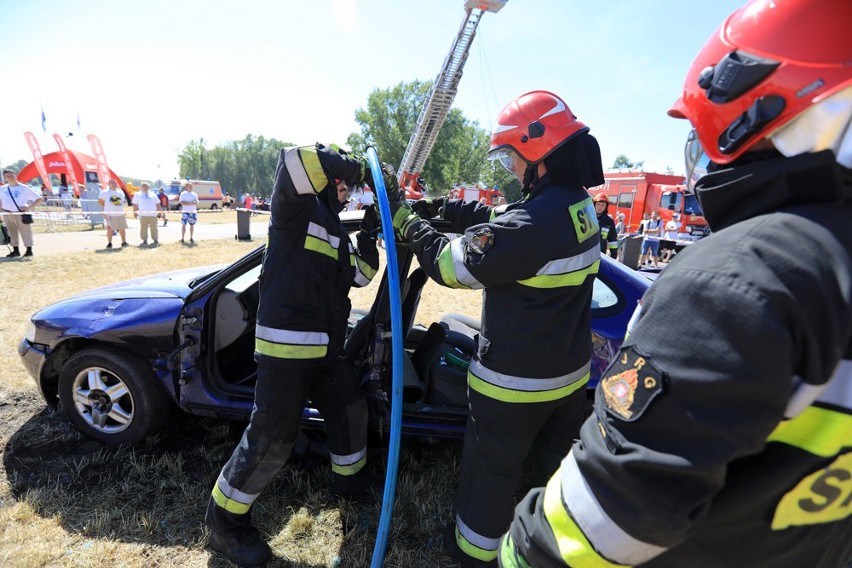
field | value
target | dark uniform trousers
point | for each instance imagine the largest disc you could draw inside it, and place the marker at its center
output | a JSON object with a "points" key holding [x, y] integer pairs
{"points": [[266, 444], [497, 441]]}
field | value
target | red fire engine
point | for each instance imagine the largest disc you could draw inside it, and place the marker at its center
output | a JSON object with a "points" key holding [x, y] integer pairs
{"points": [[635, 193]]}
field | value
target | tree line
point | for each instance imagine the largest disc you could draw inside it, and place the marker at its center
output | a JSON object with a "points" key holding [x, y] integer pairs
{"points": [[387, 122]]}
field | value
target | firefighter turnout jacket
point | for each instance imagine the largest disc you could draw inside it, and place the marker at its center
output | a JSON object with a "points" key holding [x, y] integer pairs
{"points": [[310, 263], [721, 432], [609, 236], [536, 261]]}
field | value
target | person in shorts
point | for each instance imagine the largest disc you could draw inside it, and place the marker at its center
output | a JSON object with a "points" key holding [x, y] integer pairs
{"points": [[113, 201], [189, 212]]}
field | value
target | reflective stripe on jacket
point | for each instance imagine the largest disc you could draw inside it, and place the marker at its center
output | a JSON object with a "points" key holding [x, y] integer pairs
{"points": [[310, 263]]}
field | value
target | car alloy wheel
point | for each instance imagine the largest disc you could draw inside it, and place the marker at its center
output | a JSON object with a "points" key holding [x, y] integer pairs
{"points": [[103, 400], [112, 396]]}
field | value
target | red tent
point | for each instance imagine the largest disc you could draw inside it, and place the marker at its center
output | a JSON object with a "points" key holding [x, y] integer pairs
{"points": [[82, 163]]}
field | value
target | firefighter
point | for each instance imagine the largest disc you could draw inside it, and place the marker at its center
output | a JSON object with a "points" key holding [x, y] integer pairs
{"points": [[721, 432], [609, 236], [536, 261], [308, 267]]}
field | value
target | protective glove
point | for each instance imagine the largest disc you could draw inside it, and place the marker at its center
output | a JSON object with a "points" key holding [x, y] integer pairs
{"points": [[405, 223], [366, 175], [391, 182], [430, 207], [371, 224]]}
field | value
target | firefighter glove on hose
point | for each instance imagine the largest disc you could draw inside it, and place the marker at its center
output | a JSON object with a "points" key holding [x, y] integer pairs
{"points": [[405, 223], [429, 208], [366, 175]]}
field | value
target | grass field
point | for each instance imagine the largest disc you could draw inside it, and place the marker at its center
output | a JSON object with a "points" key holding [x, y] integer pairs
{"points": [[69, 501]]}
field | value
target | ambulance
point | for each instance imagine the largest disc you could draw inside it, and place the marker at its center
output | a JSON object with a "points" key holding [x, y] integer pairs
{"points": [[209, 193]]}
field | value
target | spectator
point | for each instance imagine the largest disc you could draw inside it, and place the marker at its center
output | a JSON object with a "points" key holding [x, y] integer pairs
{"points": [[668, 242], [651, 244], [164, 206], [145, 206], [113, 202], [189, 212], [66, 198], [227, 200], [16, 199], [620, 234], [247, 202]]}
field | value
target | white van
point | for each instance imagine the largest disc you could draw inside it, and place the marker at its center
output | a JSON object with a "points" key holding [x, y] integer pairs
{"points": [[209, 193]]}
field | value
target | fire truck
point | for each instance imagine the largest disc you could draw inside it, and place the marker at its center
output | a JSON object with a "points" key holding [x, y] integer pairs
{"points": [[473, 192], [635, 193], [440, 99]]}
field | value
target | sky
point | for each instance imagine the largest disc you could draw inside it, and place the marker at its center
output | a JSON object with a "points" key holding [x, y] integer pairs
{"points": [[148, 77]]}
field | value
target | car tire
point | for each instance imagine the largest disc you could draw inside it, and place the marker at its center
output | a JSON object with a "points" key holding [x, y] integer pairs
{"points": [[112, 397], [214, 207]]}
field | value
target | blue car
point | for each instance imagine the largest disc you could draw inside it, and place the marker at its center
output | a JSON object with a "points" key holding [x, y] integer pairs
{"points": [[120, 358]]}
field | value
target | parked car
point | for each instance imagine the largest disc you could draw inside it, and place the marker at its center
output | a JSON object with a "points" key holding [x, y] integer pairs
{"points": [[118, 359]]}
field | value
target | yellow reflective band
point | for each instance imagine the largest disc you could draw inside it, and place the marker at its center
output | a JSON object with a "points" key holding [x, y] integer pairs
{"points": [[512, 395], [509, 558], [819, 431], [286, 351], [574, 548], [447, 270], [474, 551], [229, 505], [365, 268], [575, 278], [313, 168], [350, 469], [320, 246], [821, 497], [613, 245]]}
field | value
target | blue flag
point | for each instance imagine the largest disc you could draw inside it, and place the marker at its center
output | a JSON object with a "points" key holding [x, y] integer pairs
{"points": [[43, 120]]}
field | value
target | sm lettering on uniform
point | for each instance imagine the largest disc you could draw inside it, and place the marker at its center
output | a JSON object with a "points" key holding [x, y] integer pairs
{"points": [[822, 497], [585, 219]]}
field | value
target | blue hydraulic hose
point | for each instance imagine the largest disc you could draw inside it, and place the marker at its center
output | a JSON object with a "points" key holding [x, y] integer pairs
{"points": [[396, 359]]}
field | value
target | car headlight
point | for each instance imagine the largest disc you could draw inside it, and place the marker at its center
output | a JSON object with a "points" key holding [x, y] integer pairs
{"points": [[30, 332]]}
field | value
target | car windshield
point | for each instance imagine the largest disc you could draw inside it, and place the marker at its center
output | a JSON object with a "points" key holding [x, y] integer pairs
{"points": [[173, 189], [692, 206]]}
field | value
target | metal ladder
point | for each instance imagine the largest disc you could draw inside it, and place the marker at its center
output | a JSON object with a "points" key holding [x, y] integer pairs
{"points": [[440, 97]]}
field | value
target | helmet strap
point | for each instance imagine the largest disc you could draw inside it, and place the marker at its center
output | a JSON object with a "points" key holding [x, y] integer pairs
{"points": [[530, 177]]}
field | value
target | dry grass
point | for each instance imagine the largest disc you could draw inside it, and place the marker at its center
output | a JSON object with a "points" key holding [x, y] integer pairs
{"points": [[68, 501]]}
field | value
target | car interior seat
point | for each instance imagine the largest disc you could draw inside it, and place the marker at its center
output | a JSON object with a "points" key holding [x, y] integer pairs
{"points": [[231, 319]]}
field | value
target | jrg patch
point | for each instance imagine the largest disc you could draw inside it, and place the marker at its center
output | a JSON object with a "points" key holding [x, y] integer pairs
{"points": [[481, 240], [630, 383]]}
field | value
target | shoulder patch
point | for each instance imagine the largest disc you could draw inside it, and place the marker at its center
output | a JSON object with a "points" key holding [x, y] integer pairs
{"points": [[584, 219], [481, 240], [630, 383]]}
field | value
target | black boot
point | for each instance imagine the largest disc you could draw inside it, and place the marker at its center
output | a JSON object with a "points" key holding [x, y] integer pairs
{"points": [[29, 251], [233, 536], [361, 487], [14, 254], [455, 553]]}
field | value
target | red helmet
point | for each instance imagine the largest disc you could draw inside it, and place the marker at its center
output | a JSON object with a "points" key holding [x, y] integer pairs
{"points": [[534, 125], [601, 197], [766, 65]]}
